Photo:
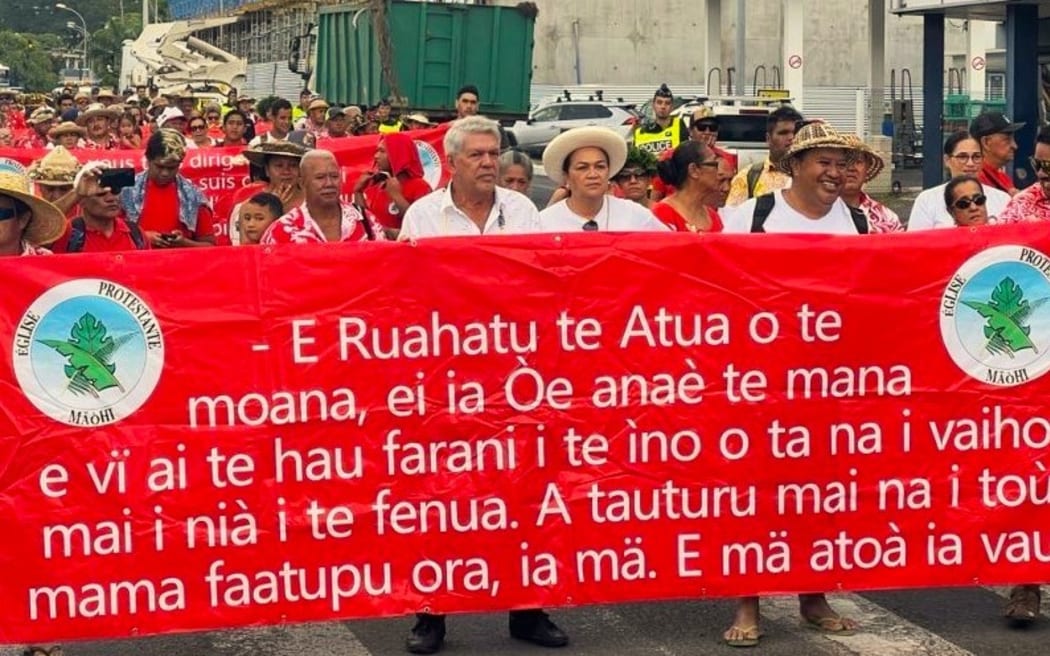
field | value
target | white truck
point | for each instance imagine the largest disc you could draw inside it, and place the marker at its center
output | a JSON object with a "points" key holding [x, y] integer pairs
{"points": [[168, 56]]}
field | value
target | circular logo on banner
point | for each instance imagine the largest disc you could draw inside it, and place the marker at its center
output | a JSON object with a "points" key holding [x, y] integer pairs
{"points": [[432, 169], [995, 316], [88, 352], [8, 165]]}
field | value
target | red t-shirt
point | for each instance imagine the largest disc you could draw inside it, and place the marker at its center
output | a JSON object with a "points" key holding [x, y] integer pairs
{"points": [[996, 178], [95, 241], [677, 222], [384, 209], [160, 213]]}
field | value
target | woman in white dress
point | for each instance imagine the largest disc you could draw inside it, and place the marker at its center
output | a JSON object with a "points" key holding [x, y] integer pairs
{"points": [[962, 156]]}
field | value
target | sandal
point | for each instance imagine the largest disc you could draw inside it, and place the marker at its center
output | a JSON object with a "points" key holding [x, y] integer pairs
{"points": [[748, 636], [831, 625], [1023, 606]]}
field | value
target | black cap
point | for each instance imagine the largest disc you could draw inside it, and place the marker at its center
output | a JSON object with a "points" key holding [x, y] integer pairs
{"points": [[991, 123], [336, 111]]}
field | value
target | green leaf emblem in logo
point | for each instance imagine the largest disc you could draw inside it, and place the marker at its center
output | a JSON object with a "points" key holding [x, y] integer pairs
{"points": [[89, 350], [1007, 313]]}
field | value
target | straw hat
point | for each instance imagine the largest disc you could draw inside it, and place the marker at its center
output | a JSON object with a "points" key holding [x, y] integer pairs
{"points": [[106, 93], [420, 118], [317, 103], [257, 154], [817, 134], [170, 114], [56, 169], [41, 115], [48, 222], [96, 109], [566, 143], [875, 163]]}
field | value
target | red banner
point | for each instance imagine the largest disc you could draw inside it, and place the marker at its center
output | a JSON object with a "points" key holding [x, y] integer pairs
{"points": [[221, 172], [461, 425]]}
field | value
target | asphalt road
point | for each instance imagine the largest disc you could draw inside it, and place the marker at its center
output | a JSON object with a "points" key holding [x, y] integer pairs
{"points": [[951, 622]]}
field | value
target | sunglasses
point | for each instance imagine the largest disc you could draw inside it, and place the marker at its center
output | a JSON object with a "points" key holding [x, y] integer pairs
{"points": [[198, 126], [964, 203], [590, 226], [705, 127], [1040, 165], [8, 213], [635, 174], [212, 118]]}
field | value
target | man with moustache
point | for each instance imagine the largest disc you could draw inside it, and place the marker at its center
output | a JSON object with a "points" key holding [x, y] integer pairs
{"points": [[1033, 204], [100, 228]]}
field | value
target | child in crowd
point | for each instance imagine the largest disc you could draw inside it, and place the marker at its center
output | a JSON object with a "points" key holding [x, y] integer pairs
{"points": [[257, 213]]}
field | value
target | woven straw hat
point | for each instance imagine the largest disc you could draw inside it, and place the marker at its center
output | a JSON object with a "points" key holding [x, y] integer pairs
{"points": [[97, 109], [875, 163], [48, 222], [568, 142], [317, 103], [41, 115], [817, 134], [56, 169], [66, 127], [257, 154]]}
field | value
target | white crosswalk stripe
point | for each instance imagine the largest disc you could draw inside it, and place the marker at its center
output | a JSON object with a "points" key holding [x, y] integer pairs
{"points": [[880, 632]]}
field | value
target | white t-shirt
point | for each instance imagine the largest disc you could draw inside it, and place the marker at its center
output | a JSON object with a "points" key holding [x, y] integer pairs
{"points": [[928, 211], [435, 215], [784, 219], [616, 215]]}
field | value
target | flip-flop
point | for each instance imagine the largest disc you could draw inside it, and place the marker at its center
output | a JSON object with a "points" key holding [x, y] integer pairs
{"points": [[831, 625], [751, 636]]}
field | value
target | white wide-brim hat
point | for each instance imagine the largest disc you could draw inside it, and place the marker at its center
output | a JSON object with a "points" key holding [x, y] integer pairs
{"points": [[568, 142]]}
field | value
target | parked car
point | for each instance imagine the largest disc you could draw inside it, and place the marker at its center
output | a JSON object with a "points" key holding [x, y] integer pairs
{"points": [[550, 119]]}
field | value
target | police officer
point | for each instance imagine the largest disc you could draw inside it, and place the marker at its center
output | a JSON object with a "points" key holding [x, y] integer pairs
{"points": [[664, 131]]}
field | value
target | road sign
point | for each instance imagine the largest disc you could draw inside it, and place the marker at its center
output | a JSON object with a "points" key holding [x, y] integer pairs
{"points": [[795, 61], [977, 63]]}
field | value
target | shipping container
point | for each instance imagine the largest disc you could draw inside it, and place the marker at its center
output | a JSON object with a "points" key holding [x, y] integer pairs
{"points": [[431, 50]]}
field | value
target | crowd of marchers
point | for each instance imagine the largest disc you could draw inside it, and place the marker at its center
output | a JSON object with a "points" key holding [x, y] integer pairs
{"points": [[671, 175]]}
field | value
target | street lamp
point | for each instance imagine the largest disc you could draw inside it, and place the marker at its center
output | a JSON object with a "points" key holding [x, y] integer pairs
{"points": [[83, 22]]}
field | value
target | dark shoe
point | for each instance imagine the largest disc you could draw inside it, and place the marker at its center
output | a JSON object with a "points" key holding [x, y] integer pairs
{"points": [[427, 636], [536, 627]]}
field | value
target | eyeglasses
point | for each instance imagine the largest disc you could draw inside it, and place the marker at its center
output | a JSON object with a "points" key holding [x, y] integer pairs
{"points": [[962, 158], [964, 203], [8, 213], [590, 226], [712, 163], [212, 118], [198, 126], [705, 127], [1040, 165], [633, 174]]}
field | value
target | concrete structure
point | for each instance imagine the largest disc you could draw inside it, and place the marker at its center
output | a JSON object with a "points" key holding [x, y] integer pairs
{"points": [[639, 42], [1021, 21]]}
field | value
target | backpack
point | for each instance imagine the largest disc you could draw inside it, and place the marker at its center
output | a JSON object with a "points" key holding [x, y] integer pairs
{"points": [[78, 234], [754, 172], [764, 206]]}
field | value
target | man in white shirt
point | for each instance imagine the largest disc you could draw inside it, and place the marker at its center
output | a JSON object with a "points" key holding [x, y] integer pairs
{"points": [[472, 204], [583, 159], [817, 163]]}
